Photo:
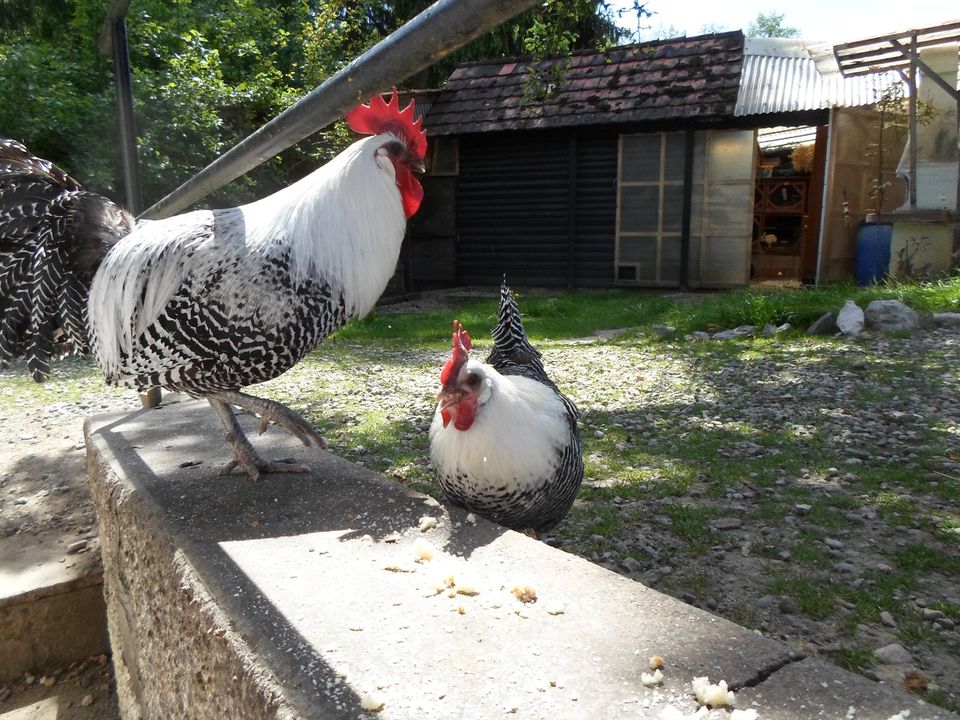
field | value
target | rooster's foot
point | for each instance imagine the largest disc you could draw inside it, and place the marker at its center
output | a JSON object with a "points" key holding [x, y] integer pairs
{"points": [[252, 464], [245, 456], [271, 411]]}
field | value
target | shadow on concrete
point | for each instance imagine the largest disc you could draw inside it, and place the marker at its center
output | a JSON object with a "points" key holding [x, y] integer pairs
{"points": [[172, 456]]}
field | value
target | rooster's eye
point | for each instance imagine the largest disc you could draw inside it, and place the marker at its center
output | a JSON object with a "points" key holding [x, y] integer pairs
{"points": [[473, 380], [395, 148]]}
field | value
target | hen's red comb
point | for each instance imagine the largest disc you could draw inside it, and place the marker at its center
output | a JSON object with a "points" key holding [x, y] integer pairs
{"points": [[461, 352], [380, 117]]}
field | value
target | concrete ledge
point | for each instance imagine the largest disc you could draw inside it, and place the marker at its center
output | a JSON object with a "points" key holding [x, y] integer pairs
{"points": [[301, 596], [49, 627]]}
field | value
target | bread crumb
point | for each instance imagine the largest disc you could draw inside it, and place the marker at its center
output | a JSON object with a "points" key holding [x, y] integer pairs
{"points": [[524, 593], [371, 702], [427, 522], [471, 518], [713, 695], [424, 550], [656, 662], [466, 587], [651, 679], [750, 714]]}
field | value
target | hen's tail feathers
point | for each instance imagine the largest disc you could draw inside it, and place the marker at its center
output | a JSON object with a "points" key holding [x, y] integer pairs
{"points": [[513, 354], [53, 235], [511, 349]]}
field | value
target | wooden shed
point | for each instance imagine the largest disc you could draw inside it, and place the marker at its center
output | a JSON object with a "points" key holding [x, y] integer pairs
{"points": [[636, 166]]}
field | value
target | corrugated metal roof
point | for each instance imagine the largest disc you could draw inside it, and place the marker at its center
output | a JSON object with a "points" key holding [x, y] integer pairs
{"points": [[789, 75]]}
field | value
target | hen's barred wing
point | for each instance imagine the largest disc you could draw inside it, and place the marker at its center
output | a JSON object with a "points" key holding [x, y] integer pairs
{"points": [[16, 159], [52, 236]]}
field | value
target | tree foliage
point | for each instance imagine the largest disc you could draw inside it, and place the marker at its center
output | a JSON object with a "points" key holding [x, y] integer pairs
{"points": [[771, 26], [206, 73]]}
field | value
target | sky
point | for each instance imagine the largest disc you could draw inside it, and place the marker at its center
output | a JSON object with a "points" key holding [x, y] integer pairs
{"points": [[834, 21]]}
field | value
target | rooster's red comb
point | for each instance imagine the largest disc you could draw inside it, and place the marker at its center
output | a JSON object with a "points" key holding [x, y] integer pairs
{"points": [[461, 352], [380, 117]]}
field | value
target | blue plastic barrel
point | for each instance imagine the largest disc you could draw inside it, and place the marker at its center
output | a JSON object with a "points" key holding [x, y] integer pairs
{"points": [[872, 261]]}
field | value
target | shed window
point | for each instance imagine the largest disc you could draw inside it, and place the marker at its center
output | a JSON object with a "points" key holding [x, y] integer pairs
{"points": [[650, 209], [444, 155], [650, 192]]}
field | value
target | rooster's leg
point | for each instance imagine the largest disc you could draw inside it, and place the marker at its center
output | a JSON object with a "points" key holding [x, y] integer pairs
{"points": [[244, 455], [272, 411]]}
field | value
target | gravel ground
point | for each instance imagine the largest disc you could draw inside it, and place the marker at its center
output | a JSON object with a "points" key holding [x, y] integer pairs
{"points": [[848, 549]]}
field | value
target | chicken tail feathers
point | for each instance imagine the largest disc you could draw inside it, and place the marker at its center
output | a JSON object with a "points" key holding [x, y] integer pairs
{"points": [[511, 349], [513, 354], [53, 236]]}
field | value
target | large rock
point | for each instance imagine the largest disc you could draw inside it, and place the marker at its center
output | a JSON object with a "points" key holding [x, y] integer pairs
{"points": [[826, 324], [890, 316], [737, 332], [850, 318], [947, 319]]}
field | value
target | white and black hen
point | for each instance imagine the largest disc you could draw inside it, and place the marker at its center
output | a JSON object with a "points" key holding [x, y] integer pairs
{"points": [[504, 441]]}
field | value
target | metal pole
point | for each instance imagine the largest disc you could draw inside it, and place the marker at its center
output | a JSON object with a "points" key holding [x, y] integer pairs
{"points": [[912, 83], [128, 143], [128, 132], [442, 28], [686, 222]]}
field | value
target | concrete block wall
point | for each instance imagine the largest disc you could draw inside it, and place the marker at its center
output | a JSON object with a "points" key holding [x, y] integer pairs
{"points": [[311, 596]]}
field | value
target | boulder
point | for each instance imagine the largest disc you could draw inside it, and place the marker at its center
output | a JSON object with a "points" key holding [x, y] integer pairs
{"points": [[947, 319], [737, 332], [850, 318], [893, 654], [890, 316], [826, 324]]}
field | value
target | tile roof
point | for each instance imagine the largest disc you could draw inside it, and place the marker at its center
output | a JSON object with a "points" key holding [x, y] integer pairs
{"points": [[692, 78]]}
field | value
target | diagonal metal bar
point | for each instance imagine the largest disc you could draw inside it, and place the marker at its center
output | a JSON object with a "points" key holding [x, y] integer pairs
{"points": [[439, 30]]}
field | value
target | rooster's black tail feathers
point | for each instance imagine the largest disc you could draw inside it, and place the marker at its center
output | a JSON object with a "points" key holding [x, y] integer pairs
{"points": [[53, 235]]}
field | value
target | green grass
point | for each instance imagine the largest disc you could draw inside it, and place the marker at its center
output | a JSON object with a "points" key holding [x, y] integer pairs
{"points": [[816, 599], [855, 659], [582, 313], [801, 307], [567, 315]]}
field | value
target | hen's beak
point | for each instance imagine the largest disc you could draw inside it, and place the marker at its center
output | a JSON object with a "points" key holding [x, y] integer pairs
{"points": [[418, 166], [449, 396]]}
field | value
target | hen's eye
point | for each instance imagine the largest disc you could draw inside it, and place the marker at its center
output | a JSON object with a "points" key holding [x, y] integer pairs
{"points": [[473, 380], [395, 148]]}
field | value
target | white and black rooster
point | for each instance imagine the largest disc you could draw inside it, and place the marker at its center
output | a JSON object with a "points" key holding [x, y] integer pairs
{"points": [[210, 301], [504, 441]]}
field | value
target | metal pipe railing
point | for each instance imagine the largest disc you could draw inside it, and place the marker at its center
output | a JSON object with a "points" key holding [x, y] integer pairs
{"points": [[439, 30]]}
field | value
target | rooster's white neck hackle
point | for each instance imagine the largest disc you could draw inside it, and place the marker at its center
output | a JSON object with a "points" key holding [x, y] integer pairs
{"points": [[344, 223]]}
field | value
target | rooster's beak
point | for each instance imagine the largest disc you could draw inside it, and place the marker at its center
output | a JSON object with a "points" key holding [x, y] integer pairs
{"points": [[418, 166]]}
